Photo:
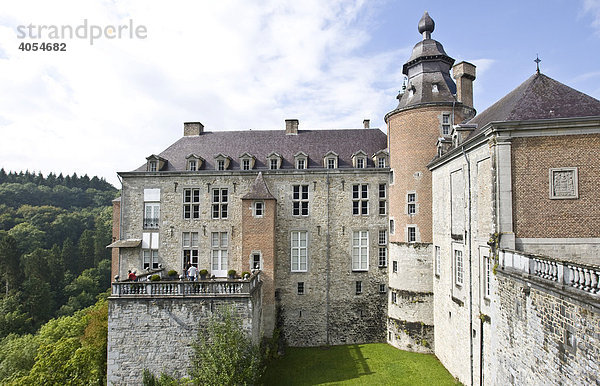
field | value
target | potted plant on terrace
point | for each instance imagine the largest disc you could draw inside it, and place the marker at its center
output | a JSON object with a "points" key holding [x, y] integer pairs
{"points": [[231, 273], [203, 273]]}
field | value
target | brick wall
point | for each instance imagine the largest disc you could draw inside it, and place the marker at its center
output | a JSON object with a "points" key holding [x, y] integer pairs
{"points": [[535, 214]]}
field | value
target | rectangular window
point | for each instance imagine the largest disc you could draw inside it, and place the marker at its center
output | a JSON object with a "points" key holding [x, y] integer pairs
{"points": [[301, 164], [189, 242], [394, 266], [256, 261], [299, 251], [382, 241], [392, 227], [412, 234], [446, 124], [381, 162], [219, 253], [382, 199], [437, 261], [220, 200], [300, 200], [259, 209], [153, 166], [151, 215], [411, 198], [192, 165], [360, 250], [458, 266], [150, 258], [273, 164], [360, 163], [300, 288], [191, 203], [360, 199], [487, 274], [331, 163], [220, 164], [358, 287], [246, 164], [382, 288], [394, 298]]}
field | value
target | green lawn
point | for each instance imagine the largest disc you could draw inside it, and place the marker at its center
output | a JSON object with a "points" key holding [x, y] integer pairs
{"points": [[364, 364]]}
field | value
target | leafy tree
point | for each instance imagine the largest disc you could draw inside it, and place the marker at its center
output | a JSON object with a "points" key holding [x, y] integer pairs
{"points": [[17, 356], [10, 263], [37, 300], [69, 255], [84, 290], [225, 354], [86, 250], [13, 318], [28, 237]]}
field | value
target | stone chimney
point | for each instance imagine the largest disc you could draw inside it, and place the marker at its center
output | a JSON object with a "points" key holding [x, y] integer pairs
{"points": [[464, 74], [367, 123], [192, 128], [291, 127]]}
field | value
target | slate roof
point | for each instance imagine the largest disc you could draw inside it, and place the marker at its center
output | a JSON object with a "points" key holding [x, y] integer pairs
{"points": [[259, 190], [539, 97], [261, 143]]}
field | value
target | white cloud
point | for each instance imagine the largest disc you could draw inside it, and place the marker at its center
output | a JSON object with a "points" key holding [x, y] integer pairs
{"points": [[230, 64], [592, 7]]}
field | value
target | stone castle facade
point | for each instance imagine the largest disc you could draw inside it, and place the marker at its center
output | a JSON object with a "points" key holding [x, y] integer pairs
{"points": [[467, 248]]}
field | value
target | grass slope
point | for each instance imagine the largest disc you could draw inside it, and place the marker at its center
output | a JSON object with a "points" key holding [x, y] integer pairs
{"points": [[365, 364]]}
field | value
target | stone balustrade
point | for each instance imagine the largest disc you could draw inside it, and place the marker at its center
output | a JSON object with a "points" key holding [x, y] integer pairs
{"points": [[200, 288], [565, 273]]}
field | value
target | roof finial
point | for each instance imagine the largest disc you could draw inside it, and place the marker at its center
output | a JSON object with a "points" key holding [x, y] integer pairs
{"points": [[426, 26], [537, 62]]}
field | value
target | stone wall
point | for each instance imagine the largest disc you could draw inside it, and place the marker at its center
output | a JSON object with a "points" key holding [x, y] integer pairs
{"points": [[330, 311], [410, 301], [544, 334], [157, 333]]}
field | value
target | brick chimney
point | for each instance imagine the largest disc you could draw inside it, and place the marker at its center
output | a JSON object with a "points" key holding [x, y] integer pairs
{"points": [[464, 74], [367, 123], [192, 128], [291, 126]]}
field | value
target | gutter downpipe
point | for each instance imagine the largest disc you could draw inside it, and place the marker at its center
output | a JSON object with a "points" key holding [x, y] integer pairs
{"points": [[328, 266], [470, 264]]}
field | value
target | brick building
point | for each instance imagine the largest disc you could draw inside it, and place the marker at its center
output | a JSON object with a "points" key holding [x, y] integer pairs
{"points": [[472, 236]]}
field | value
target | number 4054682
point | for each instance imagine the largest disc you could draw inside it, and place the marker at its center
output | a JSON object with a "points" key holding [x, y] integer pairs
{"points": [[43, 46]]}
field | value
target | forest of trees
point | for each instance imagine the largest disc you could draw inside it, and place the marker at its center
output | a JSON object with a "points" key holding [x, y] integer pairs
{"points": [[53, 262]]}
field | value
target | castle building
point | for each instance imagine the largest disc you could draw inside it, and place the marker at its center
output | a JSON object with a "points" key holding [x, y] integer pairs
{"points": [[475, 237]]}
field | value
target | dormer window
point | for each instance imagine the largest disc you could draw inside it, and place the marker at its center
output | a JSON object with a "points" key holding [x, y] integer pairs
{"points": [[193, 162], [247, 161], [359, 159], [155, 163], [222, 162], [274, 161], [330, 160], [381, 159], [301, 160]]}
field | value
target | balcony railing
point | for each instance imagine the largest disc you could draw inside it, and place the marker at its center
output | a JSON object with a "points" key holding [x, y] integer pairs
{"points": [[582, 277], [200, 288], [151, 223]]}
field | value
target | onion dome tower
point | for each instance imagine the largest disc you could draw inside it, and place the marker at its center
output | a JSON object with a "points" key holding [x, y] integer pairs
{"points": [[429, 105]]}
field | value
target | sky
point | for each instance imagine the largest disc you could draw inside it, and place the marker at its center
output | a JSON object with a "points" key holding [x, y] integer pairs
{"points": [[105, 104]]}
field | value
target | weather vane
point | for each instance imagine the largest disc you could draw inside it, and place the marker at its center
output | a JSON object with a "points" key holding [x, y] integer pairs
{"points": [[537, 62]]}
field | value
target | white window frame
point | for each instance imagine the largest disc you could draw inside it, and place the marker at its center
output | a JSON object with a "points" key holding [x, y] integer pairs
{"points": [[382, 288], [219, 254], [382, 239], [360, 250], [360, 199], [331, 163], [273, 164], [361, 162], [153, 166], [437, 260], [191, 203], [446, 124], [459, 268], [258, 209], [253, 261], [220, 203], [301, 163], [411, 203], [299, 251], [487, 275], [151, 215], [382, 199], [190, 246], [246, 164], [150, 245], [381, 162], [300, 200], [411, 238], [220, 164]]}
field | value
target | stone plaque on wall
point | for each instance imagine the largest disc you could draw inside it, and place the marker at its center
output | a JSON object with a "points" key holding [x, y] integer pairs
{"points": [[563, 183]]}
